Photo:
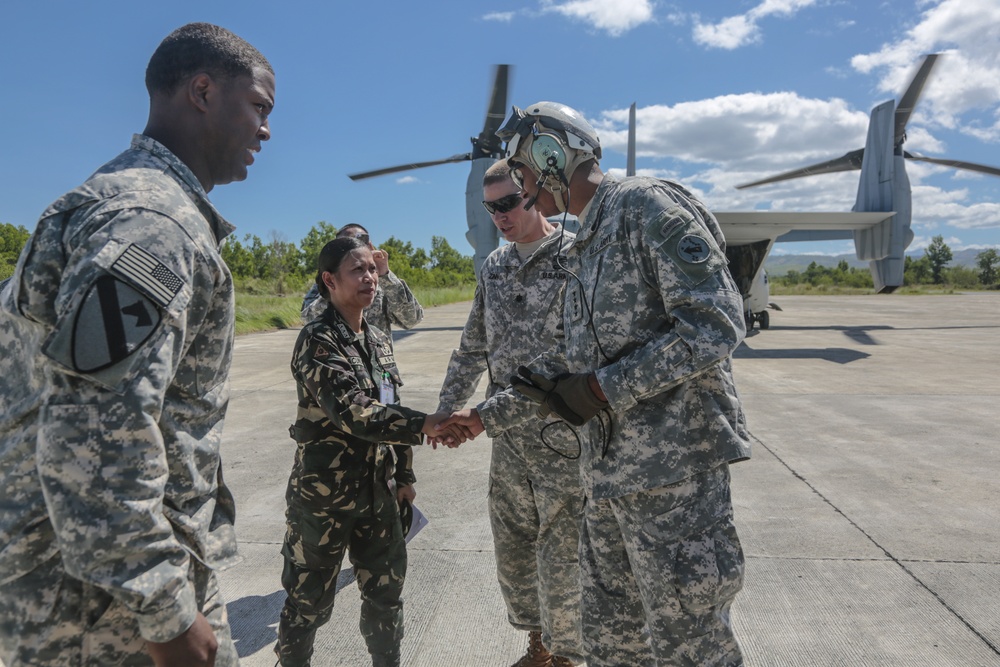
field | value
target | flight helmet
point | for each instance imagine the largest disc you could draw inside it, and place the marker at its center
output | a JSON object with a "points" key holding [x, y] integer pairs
{"points": [[552, 139]]}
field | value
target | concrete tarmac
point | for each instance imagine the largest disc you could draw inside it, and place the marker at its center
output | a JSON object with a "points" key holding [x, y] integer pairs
{"points": [[869, 513]]}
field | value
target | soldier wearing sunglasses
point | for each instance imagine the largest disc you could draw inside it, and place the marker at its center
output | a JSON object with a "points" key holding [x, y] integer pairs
{"points": [[535, 498]]}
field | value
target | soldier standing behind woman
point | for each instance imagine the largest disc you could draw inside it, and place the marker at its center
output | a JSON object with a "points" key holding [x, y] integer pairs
{"points": [[339, 494], [394, 304]]}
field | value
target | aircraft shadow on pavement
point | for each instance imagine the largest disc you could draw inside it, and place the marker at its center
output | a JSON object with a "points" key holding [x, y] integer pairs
{"points": [[838, 355], [397, 334], [253, 619]]}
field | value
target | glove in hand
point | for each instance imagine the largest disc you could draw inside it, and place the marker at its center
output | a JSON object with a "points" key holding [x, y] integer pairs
{"points": [[567, 395]]}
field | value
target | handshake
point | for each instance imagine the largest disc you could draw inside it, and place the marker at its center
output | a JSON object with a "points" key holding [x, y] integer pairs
{"points": [[451, 429], [573, 397]]}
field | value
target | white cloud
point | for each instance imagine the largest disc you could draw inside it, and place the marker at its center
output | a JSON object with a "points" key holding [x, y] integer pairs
{"points": [[713, 145], [736, 31], [405, 180], [613, 16], [963, 93], [502, 17], [742, 133]]}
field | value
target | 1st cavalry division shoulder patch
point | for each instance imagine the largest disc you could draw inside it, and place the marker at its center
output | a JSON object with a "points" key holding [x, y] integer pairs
{"points": [[112, 321]]}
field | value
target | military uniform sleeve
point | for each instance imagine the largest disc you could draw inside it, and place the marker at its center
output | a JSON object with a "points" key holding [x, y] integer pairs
{"points": [[313, 307], [469, 361], [508, 408], [101, 456], [403, 473], [700, 300], [401, 306], [323, 369]]}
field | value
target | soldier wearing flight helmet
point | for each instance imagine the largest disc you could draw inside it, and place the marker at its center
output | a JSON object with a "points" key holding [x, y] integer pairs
{"points": [[644, 371]]}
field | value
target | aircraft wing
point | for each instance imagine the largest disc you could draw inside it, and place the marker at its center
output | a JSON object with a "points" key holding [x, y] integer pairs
{"points": [[743, 227]]}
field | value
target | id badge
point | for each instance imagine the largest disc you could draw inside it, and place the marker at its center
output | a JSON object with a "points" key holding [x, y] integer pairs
{"points": [[386, 390]]}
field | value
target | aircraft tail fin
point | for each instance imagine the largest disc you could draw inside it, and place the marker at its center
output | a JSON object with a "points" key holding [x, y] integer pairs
{"points": [[884, 187]]}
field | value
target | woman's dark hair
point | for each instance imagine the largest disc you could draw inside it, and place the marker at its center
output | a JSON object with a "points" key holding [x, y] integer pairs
{"points": [[332, 256]]}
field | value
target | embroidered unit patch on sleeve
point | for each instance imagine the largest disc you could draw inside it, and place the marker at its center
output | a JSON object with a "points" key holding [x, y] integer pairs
{"points": [[149, 274], [693, 249], [113, 320]]}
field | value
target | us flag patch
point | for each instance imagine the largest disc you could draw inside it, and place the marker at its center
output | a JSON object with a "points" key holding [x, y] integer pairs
{"points": [[149, 274]]}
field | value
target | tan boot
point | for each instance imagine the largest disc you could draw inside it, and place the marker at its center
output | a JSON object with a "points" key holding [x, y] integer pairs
{"points": [[537, 655]]}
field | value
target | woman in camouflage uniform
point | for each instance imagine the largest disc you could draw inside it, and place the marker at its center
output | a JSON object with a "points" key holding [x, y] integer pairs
{"points": [[340, 493]]}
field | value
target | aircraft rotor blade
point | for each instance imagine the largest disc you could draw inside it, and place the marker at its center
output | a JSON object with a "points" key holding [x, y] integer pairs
{"points": [[630, 159], [909, 99], [488, 143], [846, 162], [461, 157], [957, 164]]}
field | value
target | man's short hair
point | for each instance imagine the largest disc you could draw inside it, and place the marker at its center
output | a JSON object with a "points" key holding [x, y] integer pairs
{"points": [[348, 227], [498, 172], [200, 47]]}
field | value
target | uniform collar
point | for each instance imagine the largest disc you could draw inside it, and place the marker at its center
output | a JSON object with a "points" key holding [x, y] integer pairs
{"points": [[592, 212], [220, 226]]}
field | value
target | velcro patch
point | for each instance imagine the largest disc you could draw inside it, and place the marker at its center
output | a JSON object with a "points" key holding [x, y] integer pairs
{"points": [[685, 243], [112, 321], [148, 273], [693, 249]]}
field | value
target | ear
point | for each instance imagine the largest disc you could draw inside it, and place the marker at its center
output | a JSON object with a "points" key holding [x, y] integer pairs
{"points": [[328, 281], [200, 88]]}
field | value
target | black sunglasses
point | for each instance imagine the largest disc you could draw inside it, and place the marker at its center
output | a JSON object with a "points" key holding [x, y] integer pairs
{"points": [[504, 204]]}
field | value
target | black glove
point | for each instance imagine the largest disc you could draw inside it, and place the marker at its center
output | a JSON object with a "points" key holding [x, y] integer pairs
{"points": [[568, 395]]}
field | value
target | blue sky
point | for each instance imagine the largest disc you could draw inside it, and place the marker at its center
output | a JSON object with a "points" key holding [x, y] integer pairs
{"points": [[727, 92]]}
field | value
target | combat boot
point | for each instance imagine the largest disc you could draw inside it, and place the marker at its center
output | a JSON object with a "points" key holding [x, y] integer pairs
{"points": [[385, 659], [537, 655]]}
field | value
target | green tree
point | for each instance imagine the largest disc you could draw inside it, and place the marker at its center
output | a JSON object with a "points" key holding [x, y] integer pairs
{"points": [[282, 260], [318, 236], [450, 267], [409, 263], [987, 262], [938, 254], [961, 276], [238, 257], [12, 240], [916, 271]]}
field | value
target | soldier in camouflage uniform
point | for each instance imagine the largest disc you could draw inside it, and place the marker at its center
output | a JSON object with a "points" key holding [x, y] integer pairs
{"points": [[394, 303], [535, 500], [116, 336], [645, 371], [340, 495]]}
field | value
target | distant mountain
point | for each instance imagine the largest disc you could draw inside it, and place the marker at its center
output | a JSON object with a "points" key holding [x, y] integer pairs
{"points": [[779, 265]]}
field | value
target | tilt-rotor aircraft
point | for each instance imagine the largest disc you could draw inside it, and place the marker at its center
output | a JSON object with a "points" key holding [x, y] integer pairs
{"points": [[879, 222]]}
